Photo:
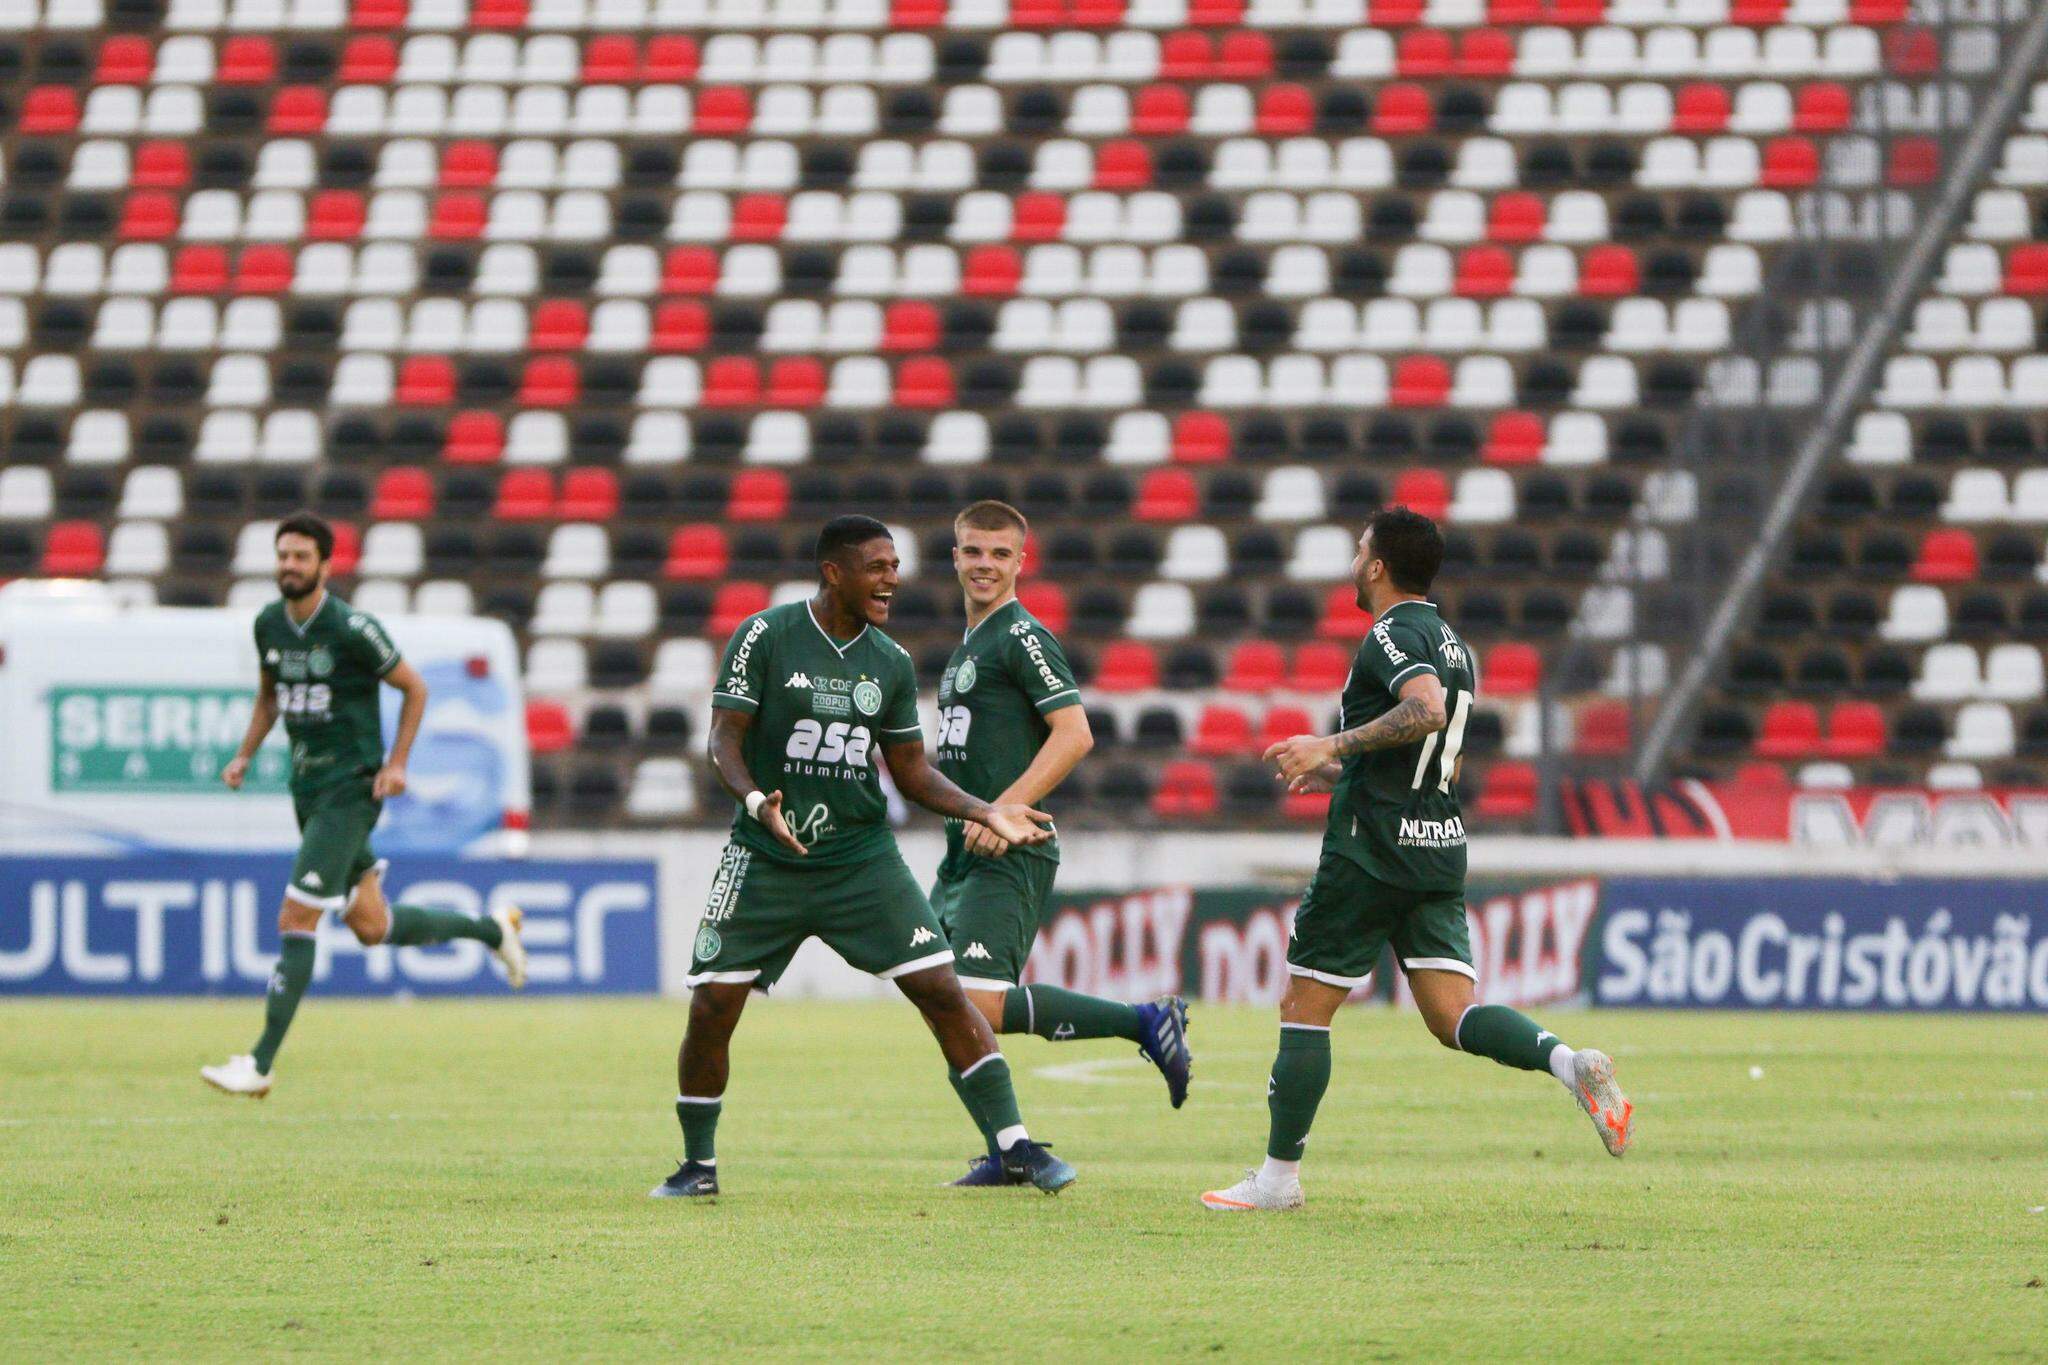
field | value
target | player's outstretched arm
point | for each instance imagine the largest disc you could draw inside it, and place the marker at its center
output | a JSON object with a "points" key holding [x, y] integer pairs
{"points": [[261, 718], [390, 780], [925, 785], [728, 759], [1069, 742], [1419, 712]]}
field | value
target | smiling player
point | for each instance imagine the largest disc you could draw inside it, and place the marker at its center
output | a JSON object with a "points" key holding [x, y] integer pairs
{"points": [[807, 693], [1011, 728]]}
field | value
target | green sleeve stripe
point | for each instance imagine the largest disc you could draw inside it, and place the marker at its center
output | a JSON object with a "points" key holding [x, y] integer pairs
{"points": [[1060, 700], [903, 729], [732, 701]]}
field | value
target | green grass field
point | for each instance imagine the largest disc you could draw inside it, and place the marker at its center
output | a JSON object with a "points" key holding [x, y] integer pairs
{"points": [[460, 1179]]}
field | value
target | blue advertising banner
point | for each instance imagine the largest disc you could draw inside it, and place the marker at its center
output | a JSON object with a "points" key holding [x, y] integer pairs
{"points": [[1821, 943], [206, 924]]}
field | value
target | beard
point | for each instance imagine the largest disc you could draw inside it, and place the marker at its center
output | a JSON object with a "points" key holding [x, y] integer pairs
{"points": [[295, 589]]}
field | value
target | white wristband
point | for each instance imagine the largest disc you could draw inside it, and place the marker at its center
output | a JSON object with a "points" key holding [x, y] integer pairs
{"points": [[755, 800]]}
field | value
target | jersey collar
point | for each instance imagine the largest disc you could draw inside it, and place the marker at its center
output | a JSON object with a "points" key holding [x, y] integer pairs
{"points": [[1410, 602], [325, 597], [968, 634], [837, 648]]}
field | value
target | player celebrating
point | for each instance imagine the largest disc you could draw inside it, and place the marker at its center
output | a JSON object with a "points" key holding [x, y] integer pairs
{"points": [[1393, 865], [321, 661], [807, 691], [1011, 728]]}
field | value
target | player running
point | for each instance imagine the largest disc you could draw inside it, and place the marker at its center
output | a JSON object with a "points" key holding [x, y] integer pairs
{"points": [[1393, 866], [1011, 728], [321, 661], [805, 695]]}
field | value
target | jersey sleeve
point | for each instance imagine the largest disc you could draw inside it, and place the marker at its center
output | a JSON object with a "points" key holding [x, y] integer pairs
{"points": [[743, 674], [1041, 669], [899, 720], [1393, 653], [371, 644]]}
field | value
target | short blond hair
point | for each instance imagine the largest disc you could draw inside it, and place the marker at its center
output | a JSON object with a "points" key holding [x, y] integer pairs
{"points": [[991, 515]]}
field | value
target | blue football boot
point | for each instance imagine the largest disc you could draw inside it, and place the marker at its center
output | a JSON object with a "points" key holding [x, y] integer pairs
{"points": [[1163, 1038], [692, 1180]]}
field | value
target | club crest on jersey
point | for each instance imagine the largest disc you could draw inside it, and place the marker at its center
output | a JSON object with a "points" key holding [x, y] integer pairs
{"points": [[964, 676], [320, 662], [867, 696]]}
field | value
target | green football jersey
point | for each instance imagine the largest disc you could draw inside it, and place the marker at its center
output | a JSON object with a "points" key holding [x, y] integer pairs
{"points": [[1395, 811], [1008, 674], [820, 708], [325, 675]]}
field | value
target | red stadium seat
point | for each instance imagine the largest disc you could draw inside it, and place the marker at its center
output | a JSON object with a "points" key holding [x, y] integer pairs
{"points": [[1126, 666], [525, 495], [1423, 52], [1790, 163], [1914, 161], [263, 270], [917, 13], [1343, 618], [1420, 381], [1306, 806], [1124, 164], [1485, 272], [1516, 216], [1046, 601], [1762, 13], [990, 271], [1282, 723], [1912, 51], [1403, 108], [1609, 272], [723, 109], [696, 552], [1822, 107], [1255, 666], [671, 59], [1876, 12], [1791, 729], [733, 603], [680, 325], [378, 14], [1200, 438], [1097, 13], [795, 382], [148, 217], [611, 59], [1700, 107], [402, 494], [73, 549], [1221, 732], [689, 270], [161, 166], [1037, 216], [1319, 667], [334, 215], [1285, 110], [348, 547], [1514, 438], [246, 59], [758, 218], [589, 494], [498, 14], [912, 325], [125, 59], [1186, 56], [458, 217], [1856, 729], [425, 380], [1394, 13], [474, 438], [1602, 730], [1762, 775], [468, 165], [49, 109], [547, 727], [1486, 53], [1425, 490], [1508, 792], [368, 59], [1167, 495], [2026, 269], [732, 381], [758, 495], [1947, 555], [1187, 790], [199, 270], [1037, 13], [1215, 13], [924, 381], [1245, 55], [1512, 670], [558, 325]]}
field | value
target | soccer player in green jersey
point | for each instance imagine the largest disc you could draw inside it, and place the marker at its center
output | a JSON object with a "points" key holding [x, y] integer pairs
{"points": [[1393, 866], [1011, 728], [321, 663], [807, 694]]}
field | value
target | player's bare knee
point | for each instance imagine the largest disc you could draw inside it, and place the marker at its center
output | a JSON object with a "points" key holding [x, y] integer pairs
{"points": [[990, 1004], [714, 1012], [294, 918], [369, 926], [1443, 1028]]}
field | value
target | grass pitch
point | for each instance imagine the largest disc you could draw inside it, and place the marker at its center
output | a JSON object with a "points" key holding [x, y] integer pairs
{"points": [[455, 1179]]}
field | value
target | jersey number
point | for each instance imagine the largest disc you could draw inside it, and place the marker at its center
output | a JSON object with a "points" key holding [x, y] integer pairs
{"points": [[953, 723], [834, 743], [298, 699], [1453, 737]]}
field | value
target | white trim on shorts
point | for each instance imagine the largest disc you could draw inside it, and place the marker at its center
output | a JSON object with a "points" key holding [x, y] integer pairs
{"points": [[916, 964], [313, 902], [1439, 964], [722, 978], [986, 983], [1349, 983]]}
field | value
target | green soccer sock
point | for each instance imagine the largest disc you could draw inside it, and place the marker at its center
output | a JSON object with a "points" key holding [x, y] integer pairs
{"points": [[985, 1089], [1301, 1072], [988, 1134], [1510, 1038], [1061, 1015], [413, 925], [287, 984], [699, 1118]]}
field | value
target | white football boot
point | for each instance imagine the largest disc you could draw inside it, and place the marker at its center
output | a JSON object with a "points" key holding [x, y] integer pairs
{"points": [[510, 950], [1614, 1118], [1250, 1195], [237, 1076]]}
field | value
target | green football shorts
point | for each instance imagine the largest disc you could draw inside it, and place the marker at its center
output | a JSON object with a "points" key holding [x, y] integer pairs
{"points": [[869, 912], [1346, 917], [991, 913], [334, 842]]}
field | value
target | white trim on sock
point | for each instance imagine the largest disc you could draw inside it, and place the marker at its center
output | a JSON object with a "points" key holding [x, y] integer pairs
{"points": [[992, 1057], [1277, 1174], [1561, 1065], [699, 1099], [1306, 1028], [1458, 1032], [1011, 1136], [299, 933], [1030, 1012], [706, 1161]]}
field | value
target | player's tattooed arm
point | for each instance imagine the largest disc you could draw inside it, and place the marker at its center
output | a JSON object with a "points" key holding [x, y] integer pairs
{"points": [[1419, 712], [926, 786], [261, 718], [728, 759]]}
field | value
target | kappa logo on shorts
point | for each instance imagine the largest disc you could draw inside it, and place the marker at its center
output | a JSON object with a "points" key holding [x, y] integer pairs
{"points": [[311, 880], [976, 950], [923, 936]]}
